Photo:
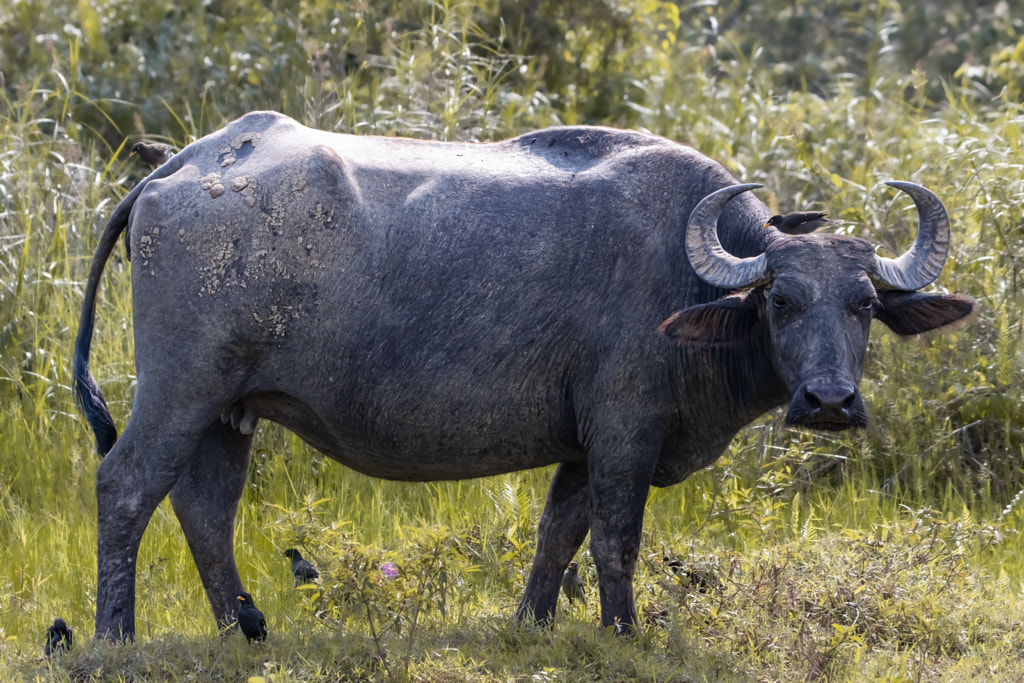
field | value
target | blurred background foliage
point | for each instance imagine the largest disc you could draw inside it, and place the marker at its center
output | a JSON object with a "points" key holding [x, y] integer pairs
{"points": [[598, 62]]}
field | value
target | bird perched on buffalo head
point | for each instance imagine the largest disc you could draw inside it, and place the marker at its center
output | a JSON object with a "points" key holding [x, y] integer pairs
{"points": [[59, 637], [153, 153], [251, 620], [798, 222], [302, 569], [572, 584]]}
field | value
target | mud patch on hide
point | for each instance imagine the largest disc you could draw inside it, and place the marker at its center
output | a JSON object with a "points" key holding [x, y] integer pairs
{"points": [[219, 264], [264, 268], [246, 186], [275, 319], [299, 181], [236, 151], [211, 182], [147, 245]]}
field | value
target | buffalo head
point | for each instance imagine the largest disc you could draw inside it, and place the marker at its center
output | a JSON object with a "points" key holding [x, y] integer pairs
{"points": [[808, 300]]}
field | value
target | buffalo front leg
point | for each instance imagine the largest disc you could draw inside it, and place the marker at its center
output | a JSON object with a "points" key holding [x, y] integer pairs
{"points": [[619, 482], [561, 531], [205, 500], [130, 482]]}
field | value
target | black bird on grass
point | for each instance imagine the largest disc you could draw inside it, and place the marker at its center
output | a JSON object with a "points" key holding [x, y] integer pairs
{"points": [[701, 579], [798, 222], [302, 569], [153, 153], [251, 620], [59, 637], [572, 584]]}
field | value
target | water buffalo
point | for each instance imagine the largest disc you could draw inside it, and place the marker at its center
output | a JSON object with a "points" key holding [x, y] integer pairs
{"points": [[426, 310]]}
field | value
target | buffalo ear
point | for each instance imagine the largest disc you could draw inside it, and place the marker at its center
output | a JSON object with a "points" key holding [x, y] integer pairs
{"points": [[728, 321], [911, 313]]}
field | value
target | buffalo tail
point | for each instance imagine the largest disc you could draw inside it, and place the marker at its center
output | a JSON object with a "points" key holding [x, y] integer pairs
{"points": [[87, 392]]}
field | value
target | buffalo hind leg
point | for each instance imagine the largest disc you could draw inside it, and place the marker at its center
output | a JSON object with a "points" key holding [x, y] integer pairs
{"points": [[562, 530], [130, 482], [205, 500]]}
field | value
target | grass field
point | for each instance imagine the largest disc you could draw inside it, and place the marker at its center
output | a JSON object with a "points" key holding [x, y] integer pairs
{"points": [[892, 554]]}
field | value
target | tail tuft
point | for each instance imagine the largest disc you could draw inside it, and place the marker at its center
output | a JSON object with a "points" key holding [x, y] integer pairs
{"points": [[90, 400]]}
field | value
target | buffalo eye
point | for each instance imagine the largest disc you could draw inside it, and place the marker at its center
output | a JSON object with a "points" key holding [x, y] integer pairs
{"points": [[779, 303], [867, 304]]}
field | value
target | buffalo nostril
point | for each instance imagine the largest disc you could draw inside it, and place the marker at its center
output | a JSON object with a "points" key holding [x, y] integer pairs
{"points": [[811, 400], [838, 397]]}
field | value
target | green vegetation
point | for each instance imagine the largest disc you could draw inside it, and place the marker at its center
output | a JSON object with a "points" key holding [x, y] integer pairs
{"points": [[890, 554]]}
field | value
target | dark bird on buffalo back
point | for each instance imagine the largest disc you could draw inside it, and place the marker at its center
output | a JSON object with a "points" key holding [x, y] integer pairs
{"points": [[251, 620], [572, 584], [59, 637], [153, 153], [302, 569], [798, 222]]}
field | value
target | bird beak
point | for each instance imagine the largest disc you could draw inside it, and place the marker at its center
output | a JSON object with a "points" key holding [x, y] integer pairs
{"points": [[767, 223], [241, 599]]}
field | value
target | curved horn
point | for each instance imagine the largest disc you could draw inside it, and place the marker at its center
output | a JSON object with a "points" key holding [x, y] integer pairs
{"points": [[923, 262], [710, 261]]}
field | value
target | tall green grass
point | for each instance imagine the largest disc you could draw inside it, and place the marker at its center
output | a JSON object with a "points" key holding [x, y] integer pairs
{"points": [[889, 554]]}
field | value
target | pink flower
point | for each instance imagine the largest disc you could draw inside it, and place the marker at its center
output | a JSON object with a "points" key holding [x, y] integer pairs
{"points": [[389, 570]]}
